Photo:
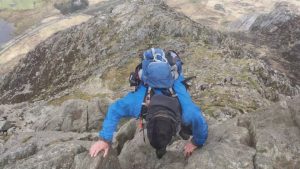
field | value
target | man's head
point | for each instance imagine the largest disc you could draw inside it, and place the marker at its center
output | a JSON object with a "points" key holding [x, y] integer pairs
{"points": [[160, 130]]}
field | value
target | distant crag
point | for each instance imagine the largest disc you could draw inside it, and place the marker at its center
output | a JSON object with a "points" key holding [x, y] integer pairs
{"points": [[71, 6], [280, 30]]}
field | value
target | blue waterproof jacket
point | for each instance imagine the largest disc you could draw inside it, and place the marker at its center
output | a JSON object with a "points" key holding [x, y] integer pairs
{"points": [[131, 104]]}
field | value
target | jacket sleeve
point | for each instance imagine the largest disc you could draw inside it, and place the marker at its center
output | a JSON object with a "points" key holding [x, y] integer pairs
{"points": [[128, 106], [191, 113]]}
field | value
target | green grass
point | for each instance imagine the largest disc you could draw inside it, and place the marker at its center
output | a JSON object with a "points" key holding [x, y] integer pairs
{"points": [[194, 1], [20, 4]]}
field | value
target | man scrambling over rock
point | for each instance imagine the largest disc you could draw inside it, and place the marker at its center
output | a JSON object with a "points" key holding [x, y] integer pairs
{"points": [[162, 99]]}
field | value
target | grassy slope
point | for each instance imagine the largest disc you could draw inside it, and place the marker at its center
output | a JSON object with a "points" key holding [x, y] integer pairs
{"points": [[24, 16], [20, 4]]}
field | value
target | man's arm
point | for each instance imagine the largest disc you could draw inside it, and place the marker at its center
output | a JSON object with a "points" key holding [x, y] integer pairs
{"points": [[191, 114], [128, 106]]}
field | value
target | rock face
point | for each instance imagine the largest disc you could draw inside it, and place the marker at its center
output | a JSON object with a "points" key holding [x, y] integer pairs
{"points": [[275, 135], [125, 133], [228, 146], [139, 154], [283, 20], [47, 150], [4, 126], [277, 30], [71, 116], [244, 23], [266, 139], [280, 30], [70, 6], [252, 109]]}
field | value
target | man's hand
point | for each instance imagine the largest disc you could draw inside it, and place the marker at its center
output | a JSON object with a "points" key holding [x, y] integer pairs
{"points": [[98, 147], [189, 148]]}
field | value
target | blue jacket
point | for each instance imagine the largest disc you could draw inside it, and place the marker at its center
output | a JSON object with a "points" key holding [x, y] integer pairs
{"points": [[130, 106]]}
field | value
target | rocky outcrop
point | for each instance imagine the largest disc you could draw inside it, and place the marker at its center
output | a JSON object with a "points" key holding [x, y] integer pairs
{"points": [[71, 116], [227, 146], [266, 139], [234, 87], [280, 31], [280, 25], [70, 6], [125, 133], [49, 150], [244, 23], [139, 154], [275, 135]]}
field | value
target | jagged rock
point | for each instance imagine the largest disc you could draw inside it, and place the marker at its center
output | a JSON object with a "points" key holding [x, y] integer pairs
{"points": [[72, 115], [5, 126], [280, 31], [84, 161], [22, 115], [227, 147], [20, 153], [70, 6], [1, 147], [266, 139], [219, 7], [49, 150], [275, 135], [54, 156], [125, 133], [139, 154], [282, 13], [293, 104], [244, 23], [225, 113]]}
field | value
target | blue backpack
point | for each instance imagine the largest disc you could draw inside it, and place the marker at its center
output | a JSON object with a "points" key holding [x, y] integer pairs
{"points": [[156, 70]]}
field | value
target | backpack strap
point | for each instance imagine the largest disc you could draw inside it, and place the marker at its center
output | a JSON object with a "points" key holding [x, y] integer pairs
{"points": [[144, 110], [173, 94], [155, 55]]}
